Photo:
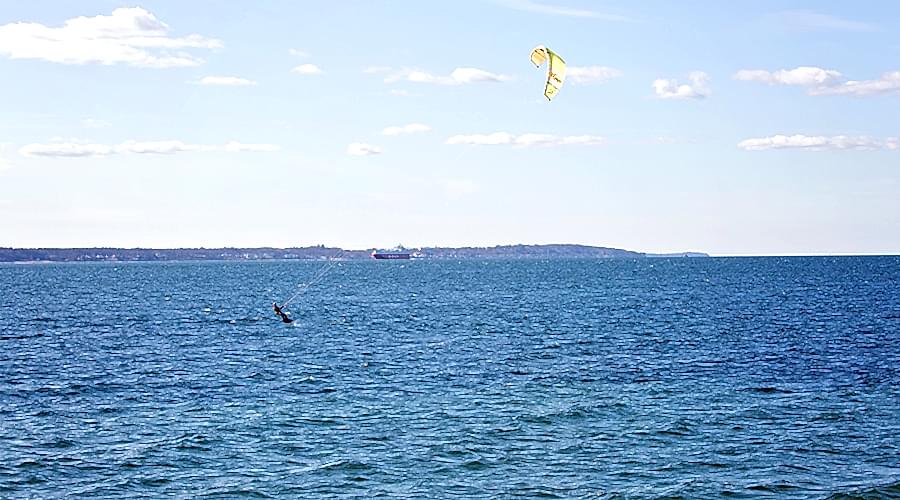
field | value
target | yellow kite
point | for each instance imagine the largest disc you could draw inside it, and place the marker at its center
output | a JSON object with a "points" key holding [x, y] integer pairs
{"points": [[556, 69]]}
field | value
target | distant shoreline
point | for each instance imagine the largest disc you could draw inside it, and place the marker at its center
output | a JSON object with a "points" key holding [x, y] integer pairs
{"points": [[109, 254]]}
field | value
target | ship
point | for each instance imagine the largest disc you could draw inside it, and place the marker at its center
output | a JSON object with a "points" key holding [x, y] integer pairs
{"points": [[394, 253]]}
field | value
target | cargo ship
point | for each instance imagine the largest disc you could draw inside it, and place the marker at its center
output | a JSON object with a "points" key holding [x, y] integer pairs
{"points": [[395, 253]]}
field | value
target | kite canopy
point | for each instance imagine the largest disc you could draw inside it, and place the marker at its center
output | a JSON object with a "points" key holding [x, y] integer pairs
{"points": [[556, 69]]}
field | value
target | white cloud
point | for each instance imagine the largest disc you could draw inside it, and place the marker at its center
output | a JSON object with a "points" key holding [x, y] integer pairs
{"points": [[482, 139], [232, 81], [888, 84], [411, 128], [65, 150], [475, 75], [73, 149], [307, 69], [459, 76], [362, 149], [540, 8], [803, 75], [525, 140], [818, 81], [298, 53], [582, 140], [811, 20], [591, 74], [131, 36], [671, 89], [818, 143], [535, 140]]}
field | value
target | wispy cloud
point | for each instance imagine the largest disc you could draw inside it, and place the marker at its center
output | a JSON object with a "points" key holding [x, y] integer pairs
{"points": [[818, 143], [362, 149], [818, 81], [558, 10], [158, 147], [803, 75], [698, 87], [808, 20], [66, 150], [130, 36], [298, 53], [94, 123], [888, 84], [72, 149], [240, 147], [459, 76], [228, 81], [411, 128], [371, 70], [660, 139], [591, 74], [307, 69], [525, 140]]}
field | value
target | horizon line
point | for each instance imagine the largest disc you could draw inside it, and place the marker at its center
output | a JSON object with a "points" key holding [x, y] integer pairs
{"points": [[324, 246]]}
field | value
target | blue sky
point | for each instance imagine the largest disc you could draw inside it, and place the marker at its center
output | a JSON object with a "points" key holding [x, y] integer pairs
{"points": [[734, 128]]}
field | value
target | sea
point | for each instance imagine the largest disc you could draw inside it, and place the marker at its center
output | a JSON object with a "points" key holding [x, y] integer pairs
{"points": [[771, 377]]}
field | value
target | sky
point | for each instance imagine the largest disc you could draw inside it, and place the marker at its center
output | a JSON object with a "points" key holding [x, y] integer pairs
{"points": [[732, 128]]}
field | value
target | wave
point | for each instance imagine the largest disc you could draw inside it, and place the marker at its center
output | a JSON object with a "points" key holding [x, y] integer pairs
{"points": [[768, 390], [891, 490]]}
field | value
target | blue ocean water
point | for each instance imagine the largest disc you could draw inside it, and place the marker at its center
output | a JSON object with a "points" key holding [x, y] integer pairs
{"points": [[742, 377]]}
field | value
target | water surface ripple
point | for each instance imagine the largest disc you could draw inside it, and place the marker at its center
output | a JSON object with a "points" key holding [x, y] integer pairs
{"points": [[689, 378]]}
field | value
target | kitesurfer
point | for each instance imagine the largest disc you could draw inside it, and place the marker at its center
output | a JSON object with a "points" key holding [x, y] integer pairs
{"points": [[279, 312]]}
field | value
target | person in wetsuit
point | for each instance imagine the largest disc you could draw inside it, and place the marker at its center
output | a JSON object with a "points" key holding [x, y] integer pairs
{"points": [[279, 312]]}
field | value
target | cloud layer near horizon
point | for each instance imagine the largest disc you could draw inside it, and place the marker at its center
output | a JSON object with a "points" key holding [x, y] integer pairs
{"points": [[818, 143], [72, 149]]}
